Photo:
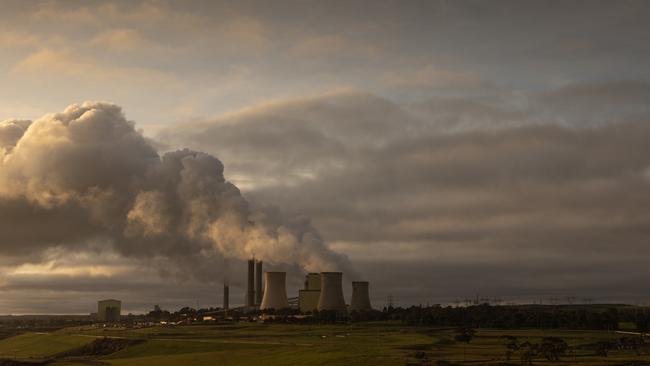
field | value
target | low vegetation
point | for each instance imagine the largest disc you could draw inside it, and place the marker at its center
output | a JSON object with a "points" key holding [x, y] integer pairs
{"points": [[370, 343]]}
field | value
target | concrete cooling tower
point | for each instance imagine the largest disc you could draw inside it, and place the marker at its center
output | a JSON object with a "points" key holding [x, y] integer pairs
{"points": [[275, 291], [331, 292], [360, 297]]}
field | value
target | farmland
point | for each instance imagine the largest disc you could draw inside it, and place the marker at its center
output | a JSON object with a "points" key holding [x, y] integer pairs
{"points": [[380, 343]]}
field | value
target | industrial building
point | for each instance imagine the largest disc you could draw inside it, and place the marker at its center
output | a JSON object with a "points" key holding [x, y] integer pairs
{"points": [[109, 310], [322, 291], [308, 297]]}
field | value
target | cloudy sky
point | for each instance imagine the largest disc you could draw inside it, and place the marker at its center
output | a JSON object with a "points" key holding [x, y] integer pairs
{"points": [[439, 149]]}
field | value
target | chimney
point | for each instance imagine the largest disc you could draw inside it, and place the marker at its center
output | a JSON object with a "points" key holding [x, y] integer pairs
{"points": [[275, 291], [360, 297], [258, 283], [226, 296], [331, 292], [250, 284]]}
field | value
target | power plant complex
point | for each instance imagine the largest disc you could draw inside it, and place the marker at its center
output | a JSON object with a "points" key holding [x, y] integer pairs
{"points": [[322, 292], [267, 292]]}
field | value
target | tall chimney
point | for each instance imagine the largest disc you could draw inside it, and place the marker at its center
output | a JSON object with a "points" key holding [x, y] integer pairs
{"points": [[250, 284], [331, 292], [275, 291], [360, 296], [258, 283], [226, 296]]}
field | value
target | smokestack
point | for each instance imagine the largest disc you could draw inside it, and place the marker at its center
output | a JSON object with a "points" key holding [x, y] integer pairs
{"points": [[360, 296], [331, 292], [258, 283], [226, 296], [275, 291], [250, 284]]}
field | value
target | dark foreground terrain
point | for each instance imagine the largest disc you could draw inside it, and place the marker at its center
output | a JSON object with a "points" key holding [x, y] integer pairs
{"points": [[377, 343]]}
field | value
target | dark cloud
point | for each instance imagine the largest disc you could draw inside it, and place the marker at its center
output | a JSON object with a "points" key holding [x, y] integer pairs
{"points": [[489, 131], [489, 190], [597, 103]]}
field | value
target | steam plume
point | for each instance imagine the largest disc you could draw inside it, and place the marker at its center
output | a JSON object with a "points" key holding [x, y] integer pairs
{"points": [[87, 176]]}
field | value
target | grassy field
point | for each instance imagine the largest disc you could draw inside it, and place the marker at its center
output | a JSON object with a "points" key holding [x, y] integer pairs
{"points": [[261, 344], [39, 345]]}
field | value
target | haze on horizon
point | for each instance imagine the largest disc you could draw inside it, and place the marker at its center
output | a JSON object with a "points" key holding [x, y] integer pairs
{"points": [[449, 149]]}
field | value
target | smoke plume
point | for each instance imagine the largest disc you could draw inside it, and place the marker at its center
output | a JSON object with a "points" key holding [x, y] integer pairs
{"points": [[86, 178]]}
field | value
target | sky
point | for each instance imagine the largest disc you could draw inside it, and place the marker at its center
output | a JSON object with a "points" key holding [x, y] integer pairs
{"points": [[441, 150]]}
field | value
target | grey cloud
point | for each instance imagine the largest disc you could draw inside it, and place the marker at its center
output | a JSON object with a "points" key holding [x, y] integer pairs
{"points": [[597, 103], [491, 130], [459, 114], [295, 140], [442, 185], [421, 282]]}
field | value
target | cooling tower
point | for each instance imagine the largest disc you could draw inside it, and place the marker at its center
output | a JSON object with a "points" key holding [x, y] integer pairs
{"points": [[360, 297], [250, 284], [331, 292], [226, 296], [275, 291], [258, 283]]}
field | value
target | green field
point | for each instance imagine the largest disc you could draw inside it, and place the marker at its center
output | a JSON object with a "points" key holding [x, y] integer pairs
{"points": [[264, 344], [39, 345]]}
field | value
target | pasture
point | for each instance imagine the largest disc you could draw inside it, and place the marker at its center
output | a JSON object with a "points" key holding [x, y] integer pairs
{"points": [[381, 343]]}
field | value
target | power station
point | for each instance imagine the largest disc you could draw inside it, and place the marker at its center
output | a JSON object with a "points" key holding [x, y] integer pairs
{"points": [[322, 292], [266, 291]]}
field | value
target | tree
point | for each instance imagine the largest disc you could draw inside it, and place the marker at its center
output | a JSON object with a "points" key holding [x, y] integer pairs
{"points": [[632, 343], [511, 344], [603, 348], [552, 348], [528, 351], [642, 322], [464, 335]]}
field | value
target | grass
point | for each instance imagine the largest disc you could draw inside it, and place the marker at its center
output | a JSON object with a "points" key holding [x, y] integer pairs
{"points": [[39, 345], [262, 344]]}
